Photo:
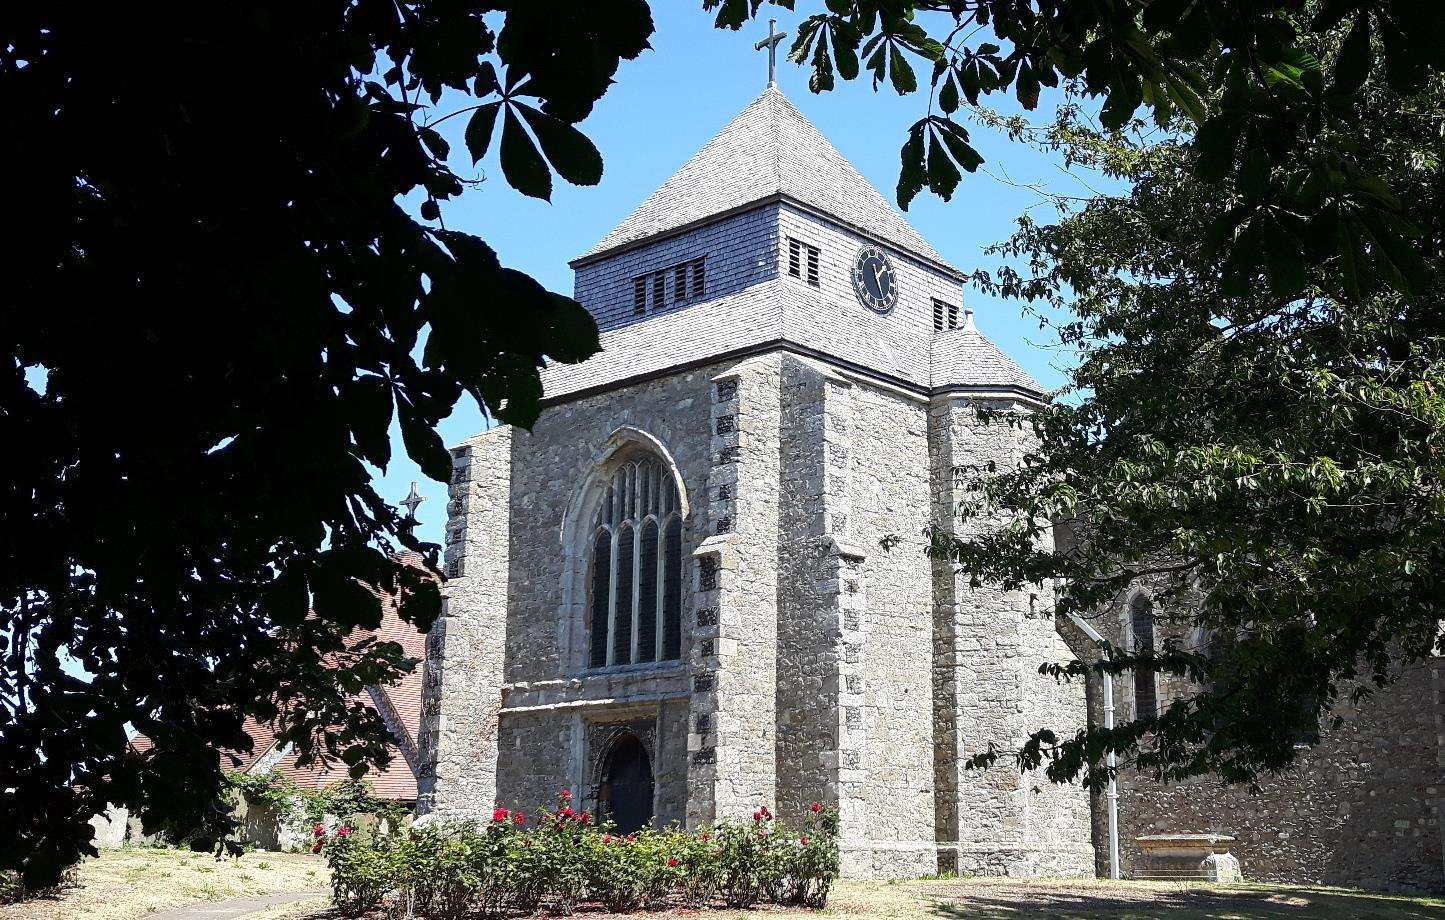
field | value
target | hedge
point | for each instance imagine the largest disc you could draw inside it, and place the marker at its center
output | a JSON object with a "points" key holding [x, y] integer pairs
{"points": [[447, 870]]}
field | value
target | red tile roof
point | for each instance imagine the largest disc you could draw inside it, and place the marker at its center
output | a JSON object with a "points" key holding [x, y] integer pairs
{"points": [[399, 704]]}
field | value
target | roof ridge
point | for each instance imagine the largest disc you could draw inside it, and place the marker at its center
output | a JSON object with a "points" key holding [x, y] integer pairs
{"points": [[770, 148]]}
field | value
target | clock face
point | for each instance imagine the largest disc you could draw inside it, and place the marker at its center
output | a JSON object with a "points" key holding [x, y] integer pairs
{"points": [[874, 281]]}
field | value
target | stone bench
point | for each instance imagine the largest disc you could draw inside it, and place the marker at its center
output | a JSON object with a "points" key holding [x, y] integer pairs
{"points": [[1203, 857]]}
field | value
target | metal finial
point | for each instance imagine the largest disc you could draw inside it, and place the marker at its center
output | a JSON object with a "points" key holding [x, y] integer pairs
{"points": [[411, 503], [771, 43]]}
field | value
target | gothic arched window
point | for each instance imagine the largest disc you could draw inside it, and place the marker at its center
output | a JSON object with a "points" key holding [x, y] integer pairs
{"points": [[635, 581], [1141, 626]]}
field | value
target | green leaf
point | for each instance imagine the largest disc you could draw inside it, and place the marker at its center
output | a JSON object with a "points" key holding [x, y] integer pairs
{"points": [[423, 444], [821, 80], [948, 95], [572, 331], [1289, 68], [568, 150], [368, 400], [1027, 86], [478, 136], [434, 142], [1214, 146], [1352, 66], [523, 166], [904, 80], [1254, 176], [844, 39], [943, 176], [913, 174], [956, 139]]}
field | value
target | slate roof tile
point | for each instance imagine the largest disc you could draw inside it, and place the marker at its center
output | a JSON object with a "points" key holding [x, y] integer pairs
{"points": [[769, 149]]}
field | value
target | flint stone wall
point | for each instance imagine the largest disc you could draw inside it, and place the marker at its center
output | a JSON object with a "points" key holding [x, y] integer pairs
{"points": [[1360, 809]]}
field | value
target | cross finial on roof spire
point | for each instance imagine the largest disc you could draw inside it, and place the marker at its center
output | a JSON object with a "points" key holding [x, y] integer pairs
{"points": [[771, 43], [411, 503]]}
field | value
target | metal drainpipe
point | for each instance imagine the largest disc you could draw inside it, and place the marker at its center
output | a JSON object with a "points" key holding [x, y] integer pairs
{"points": [[1112, 795]]}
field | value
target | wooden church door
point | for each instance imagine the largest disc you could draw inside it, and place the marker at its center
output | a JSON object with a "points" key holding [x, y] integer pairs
{"points": [[627, 785]]}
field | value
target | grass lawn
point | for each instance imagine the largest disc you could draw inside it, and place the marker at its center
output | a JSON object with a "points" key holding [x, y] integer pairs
{"points": [[1001, 899], [128, 883]]}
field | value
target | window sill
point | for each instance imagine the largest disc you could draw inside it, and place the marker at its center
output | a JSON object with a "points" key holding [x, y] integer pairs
{"points": [[644, 667]]}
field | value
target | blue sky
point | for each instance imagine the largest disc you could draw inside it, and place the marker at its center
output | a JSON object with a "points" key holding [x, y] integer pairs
{"points": [[664, 107]]}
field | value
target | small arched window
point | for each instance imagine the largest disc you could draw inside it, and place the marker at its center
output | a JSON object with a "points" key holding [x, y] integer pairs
{"points": [[1141, 626], [636, 568]]}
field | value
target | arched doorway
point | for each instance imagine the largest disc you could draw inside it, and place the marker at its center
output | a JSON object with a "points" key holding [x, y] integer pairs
{"points": [[625, 794]]}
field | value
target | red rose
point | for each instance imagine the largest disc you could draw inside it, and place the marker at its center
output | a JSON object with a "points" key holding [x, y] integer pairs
{"points": [[586, 818], [631, 838], [566, 795], [344, 832], [519, 818], [803, 841], [704, 837], [672, 862], [757, 816], [608, 838], [566, 812], [316, 847], [500, 815], [318, 830], [817, 807]]}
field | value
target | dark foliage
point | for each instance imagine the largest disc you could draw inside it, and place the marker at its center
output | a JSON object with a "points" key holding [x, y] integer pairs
{"points": [[215, 304]]}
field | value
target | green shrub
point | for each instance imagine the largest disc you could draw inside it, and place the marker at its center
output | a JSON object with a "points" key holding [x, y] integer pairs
{"points": [[447, 871]]}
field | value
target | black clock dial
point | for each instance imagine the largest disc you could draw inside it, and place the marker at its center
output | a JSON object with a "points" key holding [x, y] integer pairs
{"points": [[873, 279]]}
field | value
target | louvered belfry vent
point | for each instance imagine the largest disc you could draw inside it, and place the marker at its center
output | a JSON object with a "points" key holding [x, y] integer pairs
{"points": [[803, 261], [689, 284], [945, 315]]}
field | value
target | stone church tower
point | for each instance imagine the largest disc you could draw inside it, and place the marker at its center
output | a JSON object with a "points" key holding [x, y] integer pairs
{"points": [[699, 584]]}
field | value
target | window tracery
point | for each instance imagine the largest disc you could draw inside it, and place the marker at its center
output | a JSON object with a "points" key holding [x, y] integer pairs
{"points": [[635, 578]]}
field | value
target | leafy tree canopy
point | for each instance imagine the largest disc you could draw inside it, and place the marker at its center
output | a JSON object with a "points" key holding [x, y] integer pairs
{"points": [[218, 306], [1266, 461], [216, 302]]}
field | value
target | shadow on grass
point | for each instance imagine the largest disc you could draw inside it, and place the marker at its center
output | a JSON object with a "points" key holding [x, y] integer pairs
{"points": [[989, 902]]}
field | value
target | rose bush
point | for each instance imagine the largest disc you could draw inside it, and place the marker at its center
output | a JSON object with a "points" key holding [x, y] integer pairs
{"points": [[450, 870]]}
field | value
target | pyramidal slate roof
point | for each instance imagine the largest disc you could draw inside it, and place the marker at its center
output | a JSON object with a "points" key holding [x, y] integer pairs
{"points": [[770, 149]]}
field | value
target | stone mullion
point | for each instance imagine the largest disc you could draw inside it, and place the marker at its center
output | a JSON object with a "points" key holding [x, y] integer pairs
{"points": [[636, 615], [611, 639], [660, 592]]}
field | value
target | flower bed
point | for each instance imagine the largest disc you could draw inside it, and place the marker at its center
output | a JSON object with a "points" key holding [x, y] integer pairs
{"points": [[452, 870]]}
